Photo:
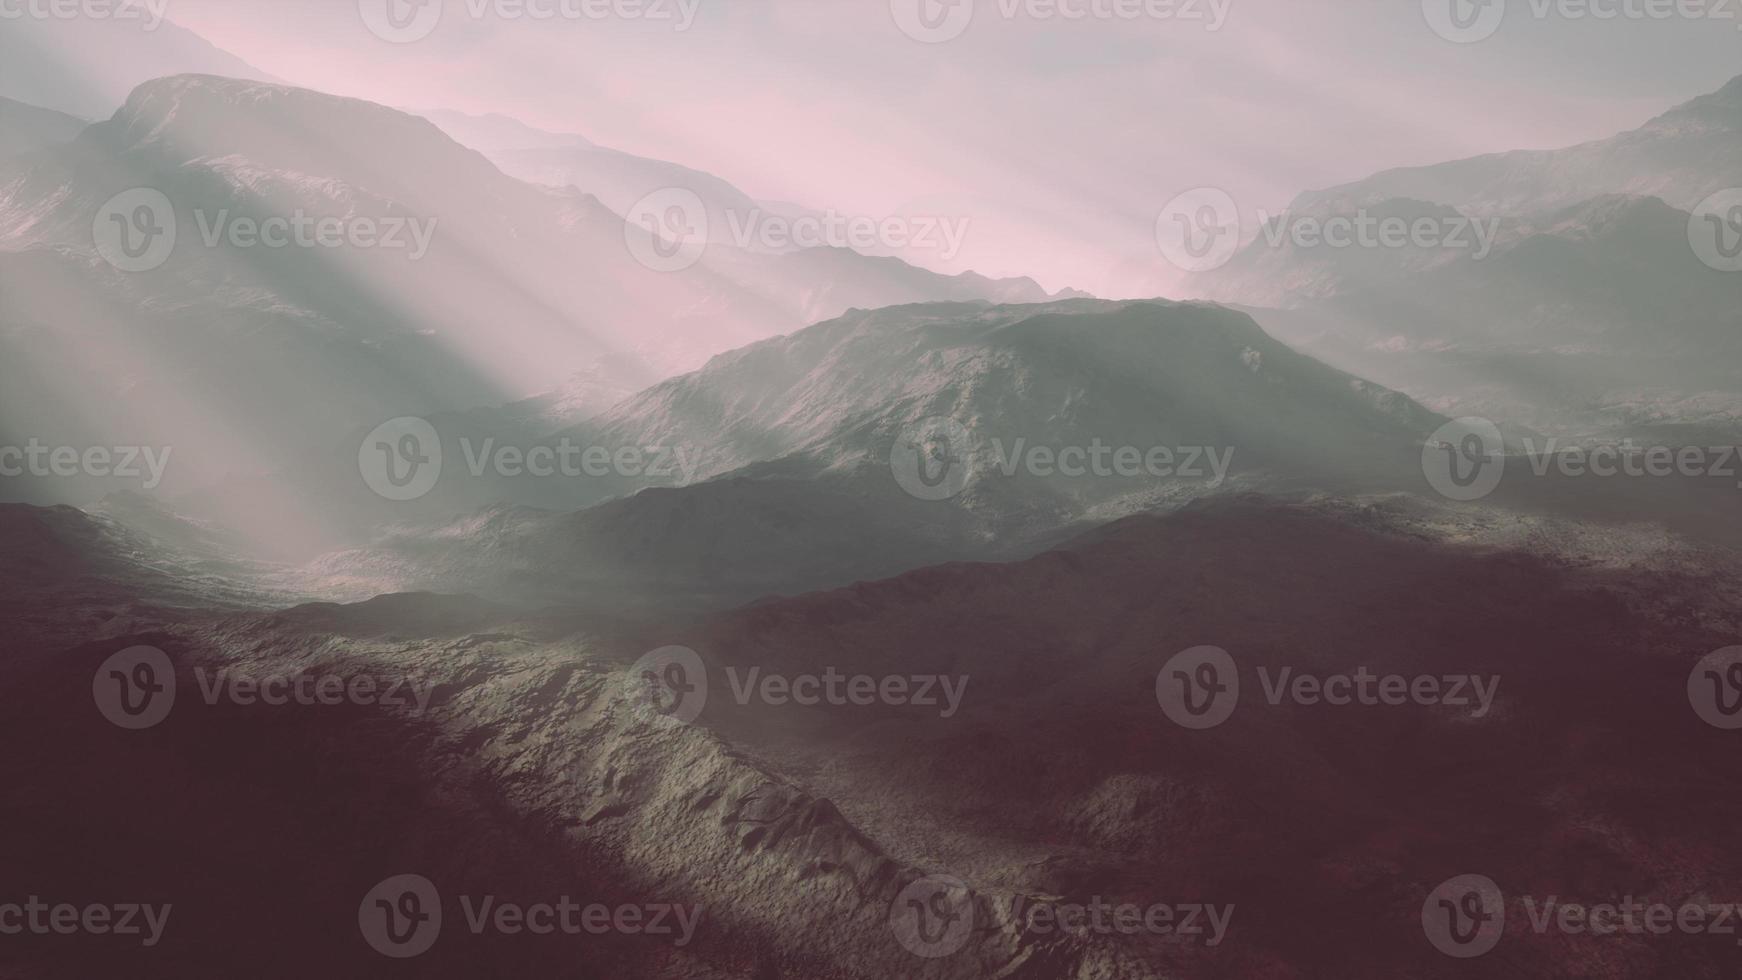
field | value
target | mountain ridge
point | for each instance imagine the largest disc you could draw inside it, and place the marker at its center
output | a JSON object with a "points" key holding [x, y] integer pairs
{"points": [[1677, 153]]}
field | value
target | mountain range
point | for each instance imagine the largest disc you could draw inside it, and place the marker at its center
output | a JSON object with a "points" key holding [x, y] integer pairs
{"points": [[513, 290], [793, 446], [1561, 288], [821, 463], [539, 769], [86, 66], [1682, 156]]}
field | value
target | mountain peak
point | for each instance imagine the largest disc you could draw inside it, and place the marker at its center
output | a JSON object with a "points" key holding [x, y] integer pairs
{"points": [[178, 100], [25, 127], [181, 118], [1721, 106]]}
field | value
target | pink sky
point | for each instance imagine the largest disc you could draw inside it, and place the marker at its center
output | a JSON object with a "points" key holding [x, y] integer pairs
{"points": [[1060, 140]]}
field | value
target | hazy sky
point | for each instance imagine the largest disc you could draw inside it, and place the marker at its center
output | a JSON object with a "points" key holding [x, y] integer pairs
{"points": [[1058, 139]]}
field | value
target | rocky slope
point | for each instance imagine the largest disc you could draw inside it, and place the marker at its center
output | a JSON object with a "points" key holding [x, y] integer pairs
{"points": [[537, 767], [796, 478]]}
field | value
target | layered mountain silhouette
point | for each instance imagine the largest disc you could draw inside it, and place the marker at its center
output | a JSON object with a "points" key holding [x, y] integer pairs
{"points": [[1611, 275], [616, 178], [1561, 288], [1682, 156], [620, 180], [807, 463], [795, 466], [24, 127], [512, 289], [85, 66]]}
